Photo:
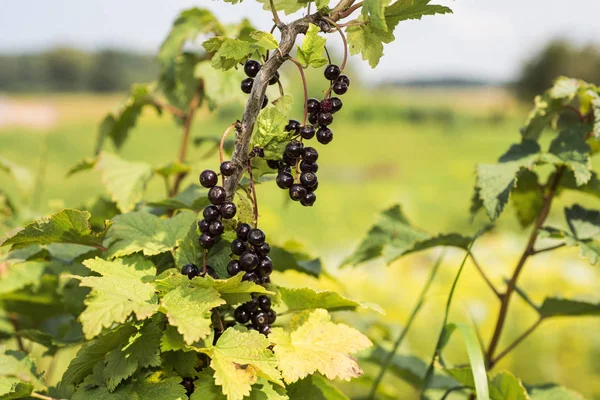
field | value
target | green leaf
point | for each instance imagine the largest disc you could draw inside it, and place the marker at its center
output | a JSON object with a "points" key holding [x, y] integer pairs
{"points": [[150, 387], [172, 168], [293, 256], [228, 52], [308, 299], [314, 387], [589, 248], [21, 275], [125, 181], [312, 49], [194, 197], [557, 307], [83, 165], [188, 249], [181, 362], [188, 308], [220, 87], [122, 289], [596, 108], [318, 345], [269, 133], [16, 364], [14, 388], [552, 392], [571, 150], [373, 11], [403, 10], [287, 6], [265, 40], [219, 255], [66, 226], [367, 42], [233, 290], [22, 176], [527, 197], [206, 389], [592, 187], [142, 231], [393, 236], [503, 386]]}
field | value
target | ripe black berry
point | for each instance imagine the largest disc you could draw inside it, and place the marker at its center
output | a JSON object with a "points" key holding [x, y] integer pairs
{"points": [[293, 149], [252, 305], [265, 268], [251, 68], [284, 180], [241, 315], [216, 228], [256, 237], [264, 249], [266, 262], [326, 106], [274, 79], [266, 101], [297, 192], [203, 225], [188, 384], [238, 247], [264, 303], [340, 88], [233, 267], [242, 231], [250, 276], [208, 178], [313, 106], [190, 270], [260, 319], [227, 168], [248, 261], [289, 160], [325, 119], [337, 104], [309, 199], [247, 85], [308, 180], [324, 135], [272, 316], [211, 213], [265, 279], [306, 166], [264, 330], [274, 164], [310, 154], [313, 118], [292, 125], [217, 195], [228, 210], [332, 72], [307, 132], [206, 241], [344, 79]]}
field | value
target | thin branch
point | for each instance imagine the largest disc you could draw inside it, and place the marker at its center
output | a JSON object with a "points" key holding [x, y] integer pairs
{"points": [[222, 143], [204, 262], [14, 321], [170, 108], [517, 341], [339, 29], [350, 10], [275, 16], [485, 277], [255, 201], [304, 86], [538, 251]]}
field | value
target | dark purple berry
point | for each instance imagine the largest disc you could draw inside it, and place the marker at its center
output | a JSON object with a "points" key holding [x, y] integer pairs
{"points": [[217, 195], [238, 247], [264, 303], [307, 132], [211, 213], [265, 101], [326, 106], [241, 315], [233, 267], [242, 231], [284, 180], [332, 72], [248, 261], [247, 85], [252, 305], [264, 268], [227, 168], [190, 270], [297, 192], [324, 135], [343, 79], [313, 106], [274, 79], [310, 154], [308, 179], [289, 161], [272, 316], [203, 225], [313, 118], [325, 118], [266, 263], [251, 277], [216, 228], [256, 237], [251, 68], [228, 210], [292, 125], [264, 330], [309, 199], [188, 384], [340, 88], [260, 319], [206, 241], [337, 104], [208, 178], [264, 249], [306, 166], [293, 149], [265, 279], [274, 164]]}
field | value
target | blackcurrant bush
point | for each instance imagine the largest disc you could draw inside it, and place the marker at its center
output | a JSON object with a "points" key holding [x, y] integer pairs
{"points": [[247, 85], [228, 210], [190, 270], [206, 241], [264, 249], [272, 316], [260, 319], [307, 132], [203, 225], [248, 261], [274, 79], [340, 88], [251, 68], [325, 119], [313, 118], [233, 267], [337, 104], [211, 213], [256, 237], [217, 195], [326, 106], [264, 303], [208, 178], [227, 168], [332, 72], [292, 125], [284, 180], [216, 228], [344, 79], [250, 276], [241, 315], [266, 101], [293, 149], [242, 231], [306, 166], [310, 154], [308, 180], [324, 135], [313, 106], [238, 247], [297, 192], [309, 199]]}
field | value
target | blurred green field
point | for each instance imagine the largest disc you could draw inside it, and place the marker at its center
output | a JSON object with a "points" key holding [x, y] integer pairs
{"points": [[414, 147]]}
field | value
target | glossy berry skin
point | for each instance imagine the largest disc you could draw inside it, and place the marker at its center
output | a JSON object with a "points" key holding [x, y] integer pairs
{"points": [[227, 168], [309, 199], [313, 118], [216, 228], [264, 303], [324, 135], [340, 88], [203, 225], [266, 263], [248, 261], [332, 72], [251, 68], [252, 305], [265, 279], [297, 192], [292, 125], [265, 101], [314, 106], [238, 247], [274, 164], [274, 79], [260, 319], [344, 79], [310, 154], [306, 166], [228, 210], [264, 269], [284, 180], [307, 132], [208, 178], [241, 315], [211, 213], [293, 149], [336, 103], [327, 106], [217, 195], [272, 316], [246, 85], [325, 119], [289, 161], [242, 231], [256, 237], [308, 180], [206, 241], [264, 330], [233, 267], [263, 250], [251, 277], [190, 270]]}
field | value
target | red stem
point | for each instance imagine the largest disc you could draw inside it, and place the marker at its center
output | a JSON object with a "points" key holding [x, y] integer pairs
{"points": [[339, 29], [255, 201]]}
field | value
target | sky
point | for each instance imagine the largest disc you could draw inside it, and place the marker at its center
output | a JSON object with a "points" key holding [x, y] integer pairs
{"points": [[484, 39]]}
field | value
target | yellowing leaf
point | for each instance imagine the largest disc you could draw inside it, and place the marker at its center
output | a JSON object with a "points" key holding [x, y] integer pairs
{"points": [[318, 345], [265, 40], [233, 289]]}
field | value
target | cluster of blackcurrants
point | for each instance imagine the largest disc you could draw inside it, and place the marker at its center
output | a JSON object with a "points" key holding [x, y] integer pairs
{"points": [[251, 68], [303, 190], [257, 313]]}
